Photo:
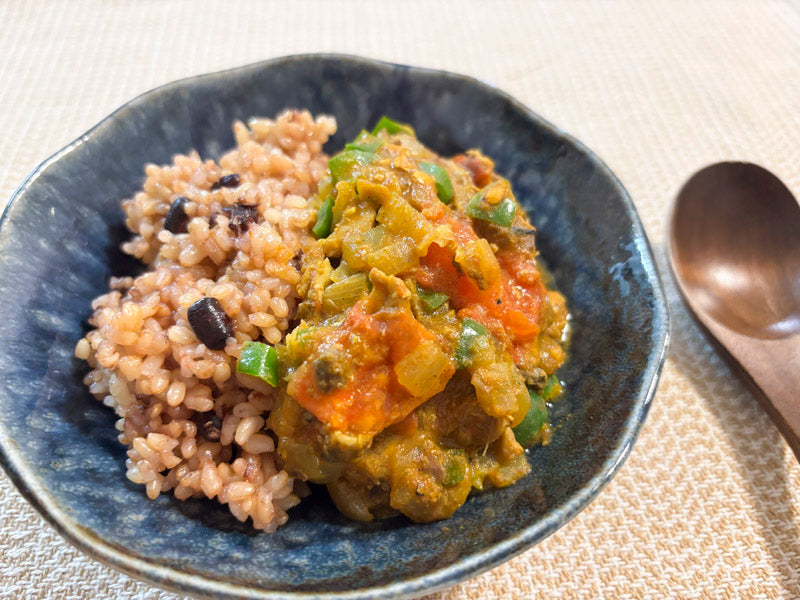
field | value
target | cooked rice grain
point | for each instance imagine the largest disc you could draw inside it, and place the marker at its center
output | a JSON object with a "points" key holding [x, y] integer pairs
{"points": [[147, 363]]}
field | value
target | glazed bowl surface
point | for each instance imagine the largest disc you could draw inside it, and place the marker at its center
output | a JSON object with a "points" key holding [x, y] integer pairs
{"points": [[59, 244]]}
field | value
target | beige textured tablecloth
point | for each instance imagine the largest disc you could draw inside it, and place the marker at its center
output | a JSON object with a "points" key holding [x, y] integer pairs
{"points": [[707, 504]]}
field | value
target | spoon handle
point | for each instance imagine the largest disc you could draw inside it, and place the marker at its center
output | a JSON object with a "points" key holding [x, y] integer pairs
{"points": [[774, 366]]}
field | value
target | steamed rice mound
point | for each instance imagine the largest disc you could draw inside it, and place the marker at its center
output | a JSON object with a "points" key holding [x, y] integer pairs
{"points": [[192, 425]]}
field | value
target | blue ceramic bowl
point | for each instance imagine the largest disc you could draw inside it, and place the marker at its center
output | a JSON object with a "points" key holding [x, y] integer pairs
{"points": [[59, 245]]}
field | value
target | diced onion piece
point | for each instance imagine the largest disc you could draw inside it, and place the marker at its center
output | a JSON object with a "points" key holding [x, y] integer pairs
{"points": [[479, 262], [425, 370], [395, 258], [341, 295], [356, 248], [500, 390], [402, 219]]}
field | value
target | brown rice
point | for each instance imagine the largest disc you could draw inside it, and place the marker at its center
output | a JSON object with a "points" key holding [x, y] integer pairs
{"points": [[191, 424]]}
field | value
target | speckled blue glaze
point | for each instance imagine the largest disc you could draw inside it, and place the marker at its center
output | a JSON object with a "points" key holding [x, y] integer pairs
{"points": [[59, 244]]}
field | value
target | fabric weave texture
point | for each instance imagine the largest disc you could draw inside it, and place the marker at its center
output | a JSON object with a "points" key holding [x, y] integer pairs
{"points": [[707, 505]]}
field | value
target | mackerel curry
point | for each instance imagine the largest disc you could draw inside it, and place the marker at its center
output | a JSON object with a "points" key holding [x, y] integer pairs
{"points": [[423, 358]]}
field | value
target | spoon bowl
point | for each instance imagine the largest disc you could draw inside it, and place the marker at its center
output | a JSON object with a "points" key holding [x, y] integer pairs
{"points": [[735, 252], [736, 240]]}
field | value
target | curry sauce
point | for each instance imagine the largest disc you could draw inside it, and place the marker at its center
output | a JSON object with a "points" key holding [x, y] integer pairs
{"points": [[426, 339]]}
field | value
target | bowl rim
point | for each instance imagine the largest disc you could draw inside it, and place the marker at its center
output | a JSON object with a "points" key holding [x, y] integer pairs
{"points": [[174, 579]]}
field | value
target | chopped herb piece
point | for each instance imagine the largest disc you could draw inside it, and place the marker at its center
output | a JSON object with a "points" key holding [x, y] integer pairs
{"points": [[322, 228], [536, 418], [444, 187], [470, 331], [391, 127], [259, 360], [431, 300]]}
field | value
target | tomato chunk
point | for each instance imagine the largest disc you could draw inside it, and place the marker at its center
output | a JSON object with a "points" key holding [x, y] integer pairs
{"points": [[510, 307], [349, 382]]}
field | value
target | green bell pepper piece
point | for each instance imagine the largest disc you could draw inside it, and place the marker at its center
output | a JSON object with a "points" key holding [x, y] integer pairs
{"points": [[365, 143], [501, 214], [551, 388], [391, 127], [470, 331], [534, 420], [342, 165], [322, 228], [454, 472], [259, 360], [444, 187], [431, 300]]}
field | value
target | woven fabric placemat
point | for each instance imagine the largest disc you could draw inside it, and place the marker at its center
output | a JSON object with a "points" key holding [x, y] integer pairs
{"points": [[707, 504]]}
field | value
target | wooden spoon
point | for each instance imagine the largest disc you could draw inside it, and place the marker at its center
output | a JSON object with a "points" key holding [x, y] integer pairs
{"points": [[735, 251]]}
